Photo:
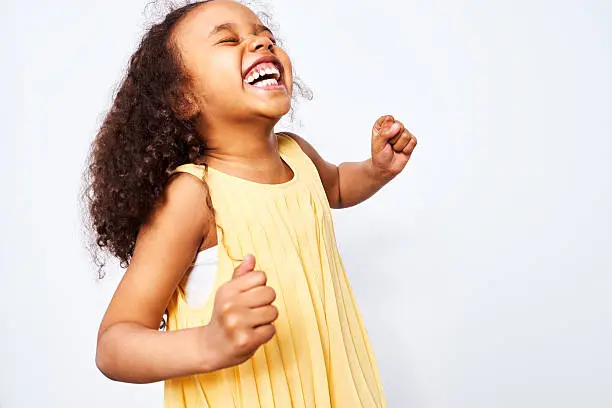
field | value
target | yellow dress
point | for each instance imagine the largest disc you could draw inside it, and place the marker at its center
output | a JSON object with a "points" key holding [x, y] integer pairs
{"points": [[321, 355]]}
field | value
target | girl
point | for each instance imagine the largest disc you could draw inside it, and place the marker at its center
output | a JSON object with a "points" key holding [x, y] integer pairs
{"points": [[189, 182]]}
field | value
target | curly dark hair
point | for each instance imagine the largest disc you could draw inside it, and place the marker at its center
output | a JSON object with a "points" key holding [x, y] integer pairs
{"points": [[143, 137]]}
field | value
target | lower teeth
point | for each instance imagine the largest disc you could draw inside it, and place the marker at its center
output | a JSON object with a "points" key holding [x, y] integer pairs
{"points": [[266, 82]]}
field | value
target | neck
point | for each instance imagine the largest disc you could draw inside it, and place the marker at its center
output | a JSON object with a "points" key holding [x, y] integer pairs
{"points": [[244, 146]]}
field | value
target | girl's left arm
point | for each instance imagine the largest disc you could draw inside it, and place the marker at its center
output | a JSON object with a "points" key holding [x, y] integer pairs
{"points": [[351, 183]]}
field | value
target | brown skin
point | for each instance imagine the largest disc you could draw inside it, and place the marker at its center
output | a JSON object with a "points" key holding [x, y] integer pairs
{"points": [[238, 123], [237, 120], [351, 183]]}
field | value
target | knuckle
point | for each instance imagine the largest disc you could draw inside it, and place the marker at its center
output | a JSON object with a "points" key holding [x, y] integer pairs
{"points": [[274, 312], [260, 277], [226, 307], [269, 332], [242, 341], [272, 294], [231, 321]]}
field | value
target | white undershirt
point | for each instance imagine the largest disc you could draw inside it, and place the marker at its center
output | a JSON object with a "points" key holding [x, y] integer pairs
{"points": [[201, 278]]}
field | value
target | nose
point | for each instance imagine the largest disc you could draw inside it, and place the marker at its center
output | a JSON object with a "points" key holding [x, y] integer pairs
{"points": [[260, 43]]}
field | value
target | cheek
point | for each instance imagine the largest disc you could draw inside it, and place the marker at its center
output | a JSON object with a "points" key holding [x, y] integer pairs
{"points": [[217, 77], [284, 58], [289, 84]]}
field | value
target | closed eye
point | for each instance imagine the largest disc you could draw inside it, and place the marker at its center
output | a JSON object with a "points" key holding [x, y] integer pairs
{"points": [[229, 40]]}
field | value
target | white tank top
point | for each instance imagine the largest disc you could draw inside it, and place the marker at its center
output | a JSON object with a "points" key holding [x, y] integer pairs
{"points": [[201, 278]]}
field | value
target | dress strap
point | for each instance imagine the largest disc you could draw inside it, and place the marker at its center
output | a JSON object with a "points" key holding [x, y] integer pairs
{"points": [[193, 169]]}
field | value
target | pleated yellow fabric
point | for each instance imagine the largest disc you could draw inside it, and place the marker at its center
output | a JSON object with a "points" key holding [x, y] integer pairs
{"points": [[321, 355]]}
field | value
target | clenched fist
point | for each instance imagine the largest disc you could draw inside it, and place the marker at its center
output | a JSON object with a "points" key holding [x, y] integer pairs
{"points": [[392, 145], [242, 315]]}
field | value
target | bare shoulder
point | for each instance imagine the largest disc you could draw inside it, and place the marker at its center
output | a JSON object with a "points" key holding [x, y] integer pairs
{"points": [[185, 193], [165, 247], [184, 206]]}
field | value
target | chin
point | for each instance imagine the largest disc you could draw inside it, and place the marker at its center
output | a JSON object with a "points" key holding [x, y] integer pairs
{"points": [[274, 110]]}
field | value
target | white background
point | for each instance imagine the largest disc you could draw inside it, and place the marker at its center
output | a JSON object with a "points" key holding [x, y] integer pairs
{"points": [[484, 272]]}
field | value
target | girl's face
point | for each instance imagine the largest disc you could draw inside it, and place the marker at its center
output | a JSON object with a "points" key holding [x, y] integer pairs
{"points": [[226, 51]]}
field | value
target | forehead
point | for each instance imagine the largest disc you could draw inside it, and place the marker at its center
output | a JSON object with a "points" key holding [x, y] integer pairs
{"points": [[200, 21]]}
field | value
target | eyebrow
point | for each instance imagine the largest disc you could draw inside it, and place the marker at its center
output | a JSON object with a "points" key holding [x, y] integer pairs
{"points": [[257, 28]]}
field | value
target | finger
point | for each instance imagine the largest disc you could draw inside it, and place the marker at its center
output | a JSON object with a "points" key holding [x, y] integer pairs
{"points": [[395, 138], [380, 122], [263, 334], [399, 129], [386, 133], [262, 315], [258, 297], [402, 142], [378, 130], [386, 154], [391, 130], [247, 265], [249, 281], [410, 147]]}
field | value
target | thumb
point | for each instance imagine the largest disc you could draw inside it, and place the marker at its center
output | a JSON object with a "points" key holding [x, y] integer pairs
{"points": [[247, 265], [386, 154], [382, 133], [380, 122]]}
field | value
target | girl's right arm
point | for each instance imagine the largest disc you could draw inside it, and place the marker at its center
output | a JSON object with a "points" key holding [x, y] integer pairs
{"points": [[130, 346]]}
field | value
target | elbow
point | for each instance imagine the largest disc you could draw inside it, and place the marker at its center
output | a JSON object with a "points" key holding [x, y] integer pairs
{"points": [[100, 363], [104, 362], [335, 201], [334, 198], [336, 205], [111, 362]]}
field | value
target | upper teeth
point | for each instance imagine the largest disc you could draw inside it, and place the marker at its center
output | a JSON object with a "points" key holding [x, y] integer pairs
{"points": [[265, 68]]}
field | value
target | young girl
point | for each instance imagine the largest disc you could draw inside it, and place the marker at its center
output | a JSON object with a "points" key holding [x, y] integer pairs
{"points": [[226, 226]]}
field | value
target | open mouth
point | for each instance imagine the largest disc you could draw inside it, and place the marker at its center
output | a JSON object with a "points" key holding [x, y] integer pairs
{"points": [[265, 73]]}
